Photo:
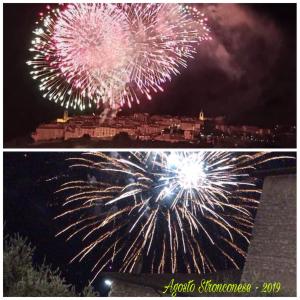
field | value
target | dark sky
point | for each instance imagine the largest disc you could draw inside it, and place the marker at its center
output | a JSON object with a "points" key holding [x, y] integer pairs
{"points": [[247, 73], [30, 205]]}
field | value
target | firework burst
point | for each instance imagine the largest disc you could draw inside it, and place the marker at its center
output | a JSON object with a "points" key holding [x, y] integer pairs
{"points": [[165, 209], [86, 55]]}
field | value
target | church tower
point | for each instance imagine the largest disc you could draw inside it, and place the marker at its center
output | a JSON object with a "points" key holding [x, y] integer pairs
{"points": [[66, 116], [201, 115], [64, 119]]}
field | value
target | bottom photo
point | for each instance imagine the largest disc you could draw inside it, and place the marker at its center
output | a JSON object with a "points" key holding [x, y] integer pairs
{"points": [[149, 223]]}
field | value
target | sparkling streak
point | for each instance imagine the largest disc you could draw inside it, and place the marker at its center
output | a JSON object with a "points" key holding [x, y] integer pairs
{"points": [[163, 210], [88, 55]]}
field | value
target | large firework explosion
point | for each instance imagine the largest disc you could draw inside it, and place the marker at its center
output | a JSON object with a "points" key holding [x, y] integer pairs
{"points": [[162, 209], [88, 55]]}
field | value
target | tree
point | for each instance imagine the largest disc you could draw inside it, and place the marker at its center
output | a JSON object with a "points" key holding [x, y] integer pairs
{"points": [[22, 278]]}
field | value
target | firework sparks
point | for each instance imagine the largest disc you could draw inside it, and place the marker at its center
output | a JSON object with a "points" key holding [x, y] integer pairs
{"points": [[85, 55], [163, 206]]}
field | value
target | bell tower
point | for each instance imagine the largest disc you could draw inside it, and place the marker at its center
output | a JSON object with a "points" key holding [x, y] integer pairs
{"points": [[66, 115], [201, 115]]}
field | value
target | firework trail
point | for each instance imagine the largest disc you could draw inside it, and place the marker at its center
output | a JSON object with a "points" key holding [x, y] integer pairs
{"points": [[86, 55], [166, 207]]}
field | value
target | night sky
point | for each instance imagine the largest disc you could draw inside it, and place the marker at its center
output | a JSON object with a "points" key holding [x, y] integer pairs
{"points": [[247, 73], [30, 204]]}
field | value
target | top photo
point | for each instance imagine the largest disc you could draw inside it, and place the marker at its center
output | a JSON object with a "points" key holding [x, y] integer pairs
{"points": [[151, 75]]}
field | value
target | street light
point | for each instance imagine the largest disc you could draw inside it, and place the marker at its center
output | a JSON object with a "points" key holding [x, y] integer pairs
{"points": [[108, 282]]}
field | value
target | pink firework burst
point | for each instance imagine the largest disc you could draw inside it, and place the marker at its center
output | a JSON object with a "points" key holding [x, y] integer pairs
{"points": [[86, 55]]}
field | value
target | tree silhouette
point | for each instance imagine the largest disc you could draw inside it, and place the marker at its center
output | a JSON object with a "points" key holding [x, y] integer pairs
{"points": [[21, 278]]}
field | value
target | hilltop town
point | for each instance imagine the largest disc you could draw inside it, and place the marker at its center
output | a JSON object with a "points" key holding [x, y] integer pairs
{"points": [[159, 128]]}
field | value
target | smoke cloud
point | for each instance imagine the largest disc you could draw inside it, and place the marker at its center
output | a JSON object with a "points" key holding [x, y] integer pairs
{"points": [[248, 57]]}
